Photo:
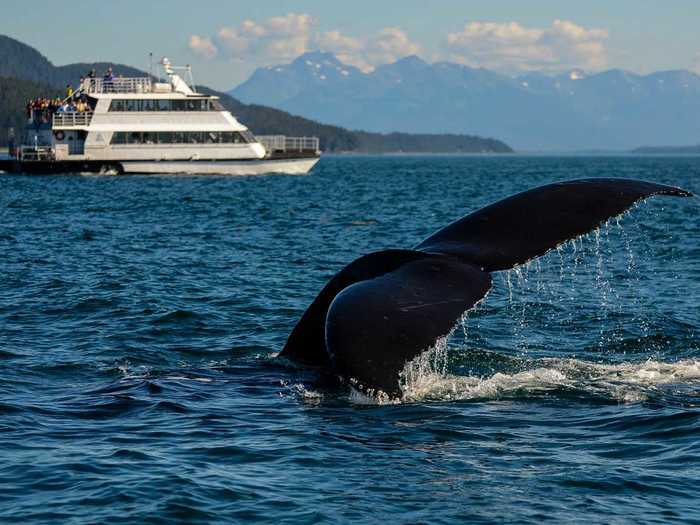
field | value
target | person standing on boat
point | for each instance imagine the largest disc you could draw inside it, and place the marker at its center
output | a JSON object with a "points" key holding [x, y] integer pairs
{"points": [[69, 91], [108, 80], [91, 79]]}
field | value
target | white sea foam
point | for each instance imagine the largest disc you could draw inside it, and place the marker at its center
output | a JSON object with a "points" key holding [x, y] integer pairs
{"points": [[626, 382], [302, 392], [130, 373], [187, 378]]}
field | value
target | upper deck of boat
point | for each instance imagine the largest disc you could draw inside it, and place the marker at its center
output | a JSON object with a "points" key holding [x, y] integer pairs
{"points": [[137, 87]]}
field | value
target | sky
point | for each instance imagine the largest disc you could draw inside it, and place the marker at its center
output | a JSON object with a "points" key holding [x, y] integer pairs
{"points": [[225, 40]]}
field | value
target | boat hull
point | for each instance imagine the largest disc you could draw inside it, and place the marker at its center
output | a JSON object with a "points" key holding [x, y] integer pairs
{"points": [[300, 166], [288, 166]]}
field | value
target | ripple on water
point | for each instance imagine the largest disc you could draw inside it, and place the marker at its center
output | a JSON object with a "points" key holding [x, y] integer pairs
{"points": [[140, 316]]}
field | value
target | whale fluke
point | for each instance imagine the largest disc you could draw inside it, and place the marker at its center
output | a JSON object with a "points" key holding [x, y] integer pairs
{"points": [[307, 342], [386, 308], [374, 327], [529, 224]]}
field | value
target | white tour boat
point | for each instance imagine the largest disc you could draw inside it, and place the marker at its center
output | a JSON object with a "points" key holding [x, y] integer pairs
{"points": [[138, 125]]}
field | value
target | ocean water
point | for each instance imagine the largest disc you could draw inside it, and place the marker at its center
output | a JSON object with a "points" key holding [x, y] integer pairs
{"points": [[140, 318]]}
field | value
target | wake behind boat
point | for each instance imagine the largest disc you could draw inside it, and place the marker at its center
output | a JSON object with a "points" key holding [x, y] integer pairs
{"points": [[137, 125]]}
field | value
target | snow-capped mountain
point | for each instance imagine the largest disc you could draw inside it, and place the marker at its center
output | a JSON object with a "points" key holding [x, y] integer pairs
{"points": [[610, 110]]}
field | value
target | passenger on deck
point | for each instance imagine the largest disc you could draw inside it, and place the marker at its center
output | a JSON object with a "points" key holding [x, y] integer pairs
{"points": [[91, 80], [108, 80], [69, 91]]}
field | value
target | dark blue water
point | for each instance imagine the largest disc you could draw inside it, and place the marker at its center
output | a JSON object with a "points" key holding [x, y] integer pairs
{"points": [[140, 316]]}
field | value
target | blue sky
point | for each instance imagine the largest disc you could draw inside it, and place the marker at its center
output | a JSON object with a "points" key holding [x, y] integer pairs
{"points": [[226, 39]]}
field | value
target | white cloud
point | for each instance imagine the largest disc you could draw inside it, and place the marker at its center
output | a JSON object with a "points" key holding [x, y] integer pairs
{"points": [[513, 47], [507, 47], [346, 48], [286, 37], [277, 38], [203, 47], [389, 45]]}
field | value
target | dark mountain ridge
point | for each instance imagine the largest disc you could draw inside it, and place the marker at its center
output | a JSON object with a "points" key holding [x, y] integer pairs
{"points": [[18, 60]]}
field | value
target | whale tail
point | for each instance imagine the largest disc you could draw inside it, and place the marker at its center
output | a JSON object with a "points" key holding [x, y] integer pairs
{"points": [[386, 308], [515, 230]]}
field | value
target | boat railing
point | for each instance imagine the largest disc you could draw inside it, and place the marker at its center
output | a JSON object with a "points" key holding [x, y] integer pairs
{"points": [[117, 85], [71, 119], [36, 153], [274, 143]]}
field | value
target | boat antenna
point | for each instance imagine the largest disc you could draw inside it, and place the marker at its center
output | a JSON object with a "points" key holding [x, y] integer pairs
{"points": [[189, 71], [150, 65]]}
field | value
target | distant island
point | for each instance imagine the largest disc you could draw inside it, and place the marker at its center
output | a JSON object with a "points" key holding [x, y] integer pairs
{"points": [[668, 150], [25, 74]]}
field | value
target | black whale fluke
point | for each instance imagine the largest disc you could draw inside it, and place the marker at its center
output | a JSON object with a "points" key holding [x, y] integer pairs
{"points": [[529, 224], [374, 327], [386, 308]]}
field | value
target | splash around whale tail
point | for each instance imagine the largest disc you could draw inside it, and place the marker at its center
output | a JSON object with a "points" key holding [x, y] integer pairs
{"points": [[386, 308]]}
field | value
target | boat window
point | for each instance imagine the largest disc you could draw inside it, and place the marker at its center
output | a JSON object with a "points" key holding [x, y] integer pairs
{"points": [[197, 105], [164, 105], [117, 105], [248, 136], [232, 137], [120, 105], [179, 137]]}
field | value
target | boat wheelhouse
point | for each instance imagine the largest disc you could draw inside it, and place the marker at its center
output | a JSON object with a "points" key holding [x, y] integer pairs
{"points": [[139, 125]]}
